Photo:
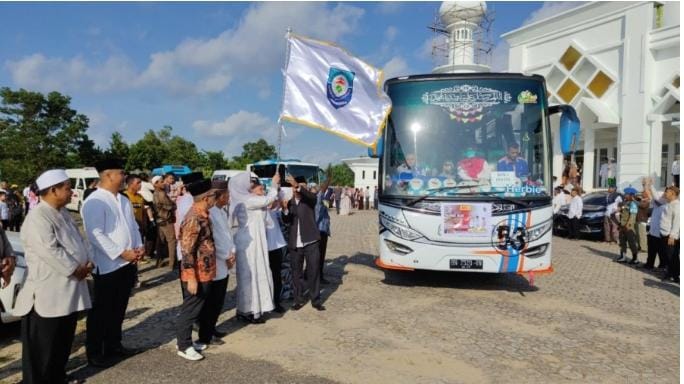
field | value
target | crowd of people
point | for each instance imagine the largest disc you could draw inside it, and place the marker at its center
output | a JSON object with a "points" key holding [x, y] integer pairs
{"points": [[645, 221], [199, 228], [344, 199]]}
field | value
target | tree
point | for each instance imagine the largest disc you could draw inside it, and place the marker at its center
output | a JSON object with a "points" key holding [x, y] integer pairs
{"points": [[155, 149], [253, 152], [342, 175], [213, 160], [118, 147], [39, 132], [147, 153]]}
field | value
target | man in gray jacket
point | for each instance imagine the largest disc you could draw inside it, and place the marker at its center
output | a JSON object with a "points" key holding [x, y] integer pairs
{"points": [[55, 289]]}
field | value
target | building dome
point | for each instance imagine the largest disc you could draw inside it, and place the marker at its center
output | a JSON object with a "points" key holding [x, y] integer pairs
{"points": [[455, 11]]}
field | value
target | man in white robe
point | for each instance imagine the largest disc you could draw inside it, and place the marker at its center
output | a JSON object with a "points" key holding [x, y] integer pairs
{"points": [[55, 289]]}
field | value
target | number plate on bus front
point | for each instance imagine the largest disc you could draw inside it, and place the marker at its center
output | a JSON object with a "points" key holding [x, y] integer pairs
{"points": [[465, 264]]}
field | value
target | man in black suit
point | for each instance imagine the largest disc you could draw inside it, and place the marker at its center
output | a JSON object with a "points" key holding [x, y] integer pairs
{"points": [[303, 243]]}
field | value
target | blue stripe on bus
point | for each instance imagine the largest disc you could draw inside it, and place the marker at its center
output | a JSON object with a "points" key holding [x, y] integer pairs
{"points": [[514, 254]]}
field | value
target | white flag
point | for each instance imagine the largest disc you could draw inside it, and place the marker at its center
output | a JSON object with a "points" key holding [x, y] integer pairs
{"points": [[327, 88]]}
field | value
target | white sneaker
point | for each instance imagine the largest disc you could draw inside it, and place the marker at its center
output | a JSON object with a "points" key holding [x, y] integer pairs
{"points": [[199, 346], [190, 354]]}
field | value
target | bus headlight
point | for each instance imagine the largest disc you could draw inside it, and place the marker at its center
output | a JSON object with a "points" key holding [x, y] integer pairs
{"points": [[534, 233], [399, 230]]}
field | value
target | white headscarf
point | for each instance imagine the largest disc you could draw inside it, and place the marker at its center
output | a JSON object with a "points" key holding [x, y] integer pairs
{"points": [[240, 189]]}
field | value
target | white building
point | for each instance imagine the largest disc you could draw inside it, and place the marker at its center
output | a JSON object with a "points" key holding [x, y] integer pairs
{"points": [[617, 63], [365, 171]]}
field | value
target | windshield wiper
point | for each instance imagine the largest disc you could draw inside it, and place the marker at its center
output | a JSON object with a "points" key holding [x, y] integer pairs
{"points": [[524, 203], [431, 192]]}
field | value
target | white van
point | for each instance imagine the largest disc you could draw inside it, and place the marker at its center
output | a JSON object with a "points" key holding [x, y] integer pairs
{"points": [[224, 174], [8, 294], [80, 178]]}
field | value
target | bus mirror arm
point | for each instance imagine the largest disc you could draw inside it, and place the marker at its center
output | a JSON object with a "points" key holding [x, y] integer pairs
{"points": [[569, 126]]}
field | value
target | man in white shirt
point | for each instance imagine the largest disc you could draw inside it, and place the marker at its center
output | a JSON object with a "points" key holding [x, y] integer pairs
{"points": [[225, 259], [116, 245], [4, 211], [675, 171], [276, 249], [574, 213], [559, 200], [669, 233]]}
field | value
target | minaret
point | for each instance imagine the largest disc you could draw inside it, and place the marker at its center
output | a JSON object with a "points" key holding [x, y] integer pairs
{"points": [[462, 21]]}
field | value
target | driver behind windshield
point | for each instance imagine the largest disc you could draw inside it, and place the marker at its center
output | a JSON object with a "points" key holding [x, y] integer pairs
{"points": [[512, 162]]}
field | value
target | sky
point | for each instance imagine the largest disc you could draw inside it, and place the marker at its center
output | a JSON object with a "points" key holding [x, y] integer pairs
{"points": [[212, 71]]}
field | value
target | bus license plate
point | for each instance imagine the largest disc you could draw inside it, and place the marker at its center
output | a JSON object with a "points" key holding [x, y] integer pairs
{"points": [[465, 264]]}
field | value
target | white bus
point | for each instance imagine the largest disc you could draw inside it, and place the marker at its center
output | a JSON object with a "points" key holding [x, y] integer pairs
{"points": [[266, 169], [465, 173]]}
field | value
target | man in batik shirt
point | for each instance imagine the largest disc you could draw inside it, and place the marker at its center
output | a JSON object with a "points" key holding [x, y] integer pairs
{"points": [[198, 268]]}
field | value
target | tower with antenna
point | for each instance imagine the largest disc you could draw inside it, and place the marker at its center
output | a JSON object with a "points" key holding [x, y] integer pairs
{"points": [[462, 41]]}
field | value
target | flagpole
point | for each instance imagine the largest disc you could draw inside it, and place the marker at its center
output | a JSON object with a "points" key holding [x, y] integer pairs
{"points": [[281, 126]]}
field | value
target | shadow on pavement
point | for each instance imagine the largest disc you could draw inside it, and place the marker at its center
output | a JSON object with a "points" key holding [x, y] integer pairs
{"points": [[598, 252], [438, 279], [669, 287]]}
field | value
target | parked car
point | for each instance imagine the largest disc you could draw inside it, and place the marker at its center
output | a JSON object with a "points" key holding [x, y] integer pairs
{"points": [[81, 179], [591, 222], [8, 295]]}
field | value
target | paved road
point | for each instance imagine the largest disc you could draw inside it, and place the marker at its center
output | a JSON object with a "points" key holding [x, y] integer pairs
{"points": [[592, 320]]}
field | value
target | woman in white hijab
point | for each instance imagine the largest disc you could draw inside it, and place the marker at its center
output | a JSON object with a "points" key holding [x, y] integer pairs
{"points": [[345, 203], [249, 206]]}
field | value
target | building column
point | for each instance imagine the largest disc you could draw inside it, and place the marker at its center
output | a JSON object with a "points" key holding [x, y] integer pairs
{"points": [[655, 149], [588, 166]]}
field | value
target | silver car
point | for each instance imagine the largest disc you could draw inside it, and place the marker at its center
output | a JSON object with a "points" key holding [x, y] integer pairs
{"points": [[8, 295]]}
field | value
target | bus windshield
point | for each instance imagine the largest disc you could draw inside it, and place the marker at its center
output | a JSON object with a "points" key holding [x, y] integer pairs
{"points": [[467, 136]]}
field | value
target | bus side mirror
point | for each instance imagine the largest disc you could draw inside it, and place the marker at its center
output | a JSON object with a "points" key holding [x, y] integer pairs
{"points": [[569, 126], [376, 150]]}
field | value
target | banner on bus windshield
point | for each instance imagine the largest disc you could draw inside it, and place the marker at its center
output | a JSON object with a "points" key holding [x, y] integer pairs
{"points": [[472, 220]]}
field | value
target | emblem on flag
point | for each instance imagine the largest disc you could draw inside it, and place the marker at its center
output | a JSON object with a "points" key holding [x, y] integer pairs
{"points": [[340, 87]]}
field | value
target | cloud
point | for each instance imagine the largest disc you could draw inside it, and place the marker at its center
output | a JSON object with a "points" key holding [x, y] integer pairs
{"points": [[388, 8], [391, 33], [397, 66], [237, 123], [48, 74], [197, 65], [551, 8]]}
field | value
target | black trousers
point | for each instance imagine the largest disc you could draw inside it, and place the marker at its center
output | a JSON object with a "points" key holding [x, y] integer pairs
{"points": [[322, 248], [111, 291], [275, 262], [573, 228], [676, 180], [337, 206], [190, 312], [653, 250], [15, 223], [213, 303], [671, 253], [46, 346], [313, 278]]}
